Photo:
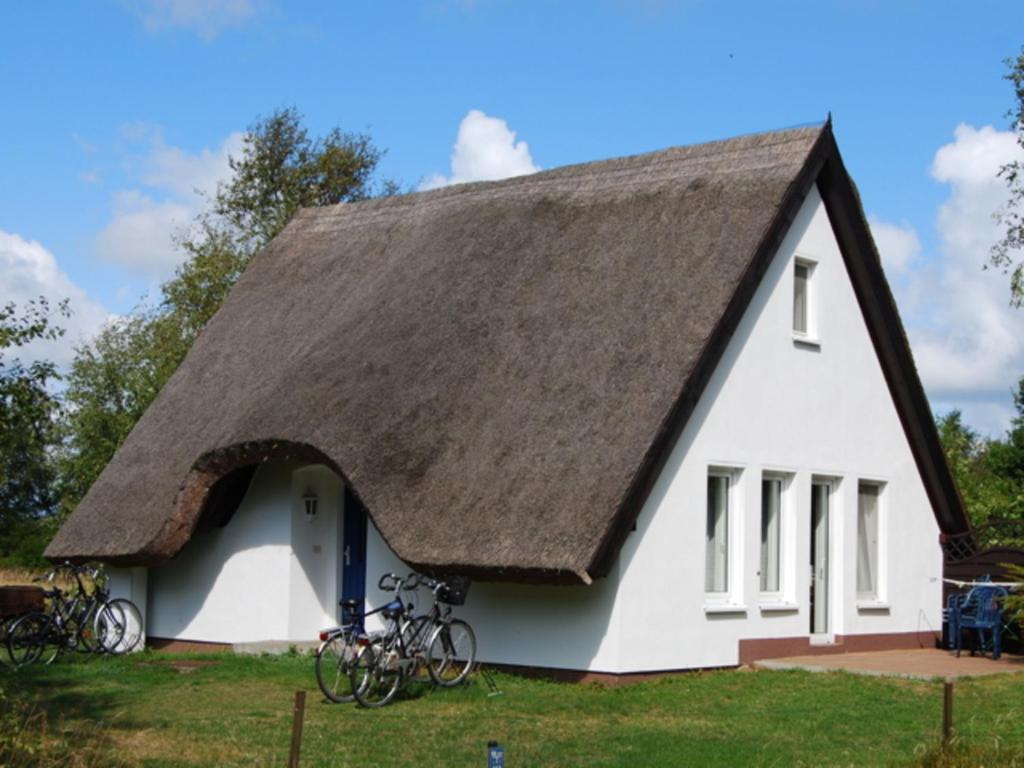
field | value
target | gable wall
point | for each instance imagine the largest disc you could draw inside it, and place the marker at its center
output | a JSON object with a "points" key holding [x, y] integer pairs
{"points": [[773, 404]]}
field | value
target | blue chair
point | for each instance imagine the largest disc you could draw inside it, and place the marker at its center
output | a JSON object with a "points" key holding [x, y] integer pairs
{"points": [[981, 612], [951, 617]]}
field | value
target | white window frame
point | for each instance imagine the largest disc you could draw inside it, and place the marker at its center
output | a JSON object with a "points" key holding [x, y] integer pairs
{"points": [[731, 600], [810, 333], [878, 598], [783, 598]]}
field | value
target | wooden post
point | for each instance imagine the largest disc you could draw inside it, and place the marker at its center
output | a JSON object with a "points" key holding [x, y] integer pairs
{"points": [[300, 708], [947, 711]]}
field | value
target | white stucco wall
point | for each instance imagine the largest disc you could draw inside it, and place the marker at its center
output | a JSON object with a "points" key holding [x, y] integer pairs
{"points": [[772, 404], [806, 410], [231, 584], [313, 568], [270, 574], [546, 626]]}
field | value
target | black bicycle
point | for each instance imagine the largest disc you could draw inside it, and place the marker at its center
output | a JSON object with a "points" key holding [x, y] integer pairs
{"points": [[443, 645], [77, 620], [339, 646]]}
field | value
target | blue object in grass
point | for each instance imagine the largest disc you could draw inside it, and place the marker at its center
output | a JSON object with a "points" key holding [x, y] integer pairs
{"points": [[495, 755]]}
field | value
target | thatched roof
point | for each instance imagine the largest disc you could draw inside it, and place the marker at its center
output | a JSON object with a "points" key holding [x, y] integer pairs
{"points": [[497, 369]]}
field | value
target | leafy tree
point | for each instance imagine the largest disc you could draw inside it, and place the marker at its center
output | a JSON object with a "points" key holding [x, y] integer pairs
{"points": [[1006, 254], [1006, 457], [112, 381], [27, 432], [989, 473], [115, 377]]}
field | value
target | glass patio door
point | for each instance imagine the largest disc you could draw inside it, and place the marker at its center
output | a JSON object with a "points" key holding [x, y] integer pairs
{"points": [[820, 526]]}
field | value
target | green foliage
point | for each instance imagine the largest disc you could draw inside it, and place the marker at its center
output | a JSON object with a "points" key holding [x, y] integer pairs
{"points": [[117, 375], [1013, 604], [112, 381], [1006, 254], [28, 412], [982, 468], [282, 169]]}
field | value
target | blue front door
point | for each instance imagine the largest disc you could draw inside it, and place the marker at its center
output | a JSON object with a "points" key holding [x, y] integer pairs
{"points": [[353, 550]]}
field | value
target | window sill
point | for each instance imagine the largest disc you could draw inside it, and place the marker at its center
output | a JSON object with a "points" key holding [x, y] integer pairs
{"points": [[778, 607], [724, 608], [806, 341], [872, 605]]}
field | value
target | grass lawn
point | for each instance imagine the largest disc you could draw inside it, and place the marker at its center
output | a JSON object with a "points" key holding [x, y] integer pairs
{"points": [[236, 711]]}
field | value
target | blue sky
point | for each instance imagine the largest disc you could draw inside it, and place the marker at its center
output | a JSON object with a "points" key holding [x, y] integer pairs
{"points": [[114, 112]]}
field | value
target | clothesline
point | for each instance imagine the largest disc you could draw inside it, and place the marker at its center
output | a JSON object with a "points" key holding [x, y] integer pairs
{"points": [[1007, 584]]}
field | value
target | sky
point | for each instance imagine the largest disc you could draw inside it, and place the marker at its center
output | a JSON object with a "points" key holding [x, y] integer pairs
{"points": [[118, 114]]}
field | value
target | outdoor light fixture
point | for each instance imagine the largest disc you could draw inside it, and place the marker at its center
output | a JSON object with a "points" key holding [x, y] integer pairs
{"points": [[309, 501]]}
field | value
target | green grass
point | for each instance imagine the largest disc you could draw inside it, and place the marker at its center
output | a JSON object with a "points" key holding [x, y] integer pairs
{"points": [[236, 711]]}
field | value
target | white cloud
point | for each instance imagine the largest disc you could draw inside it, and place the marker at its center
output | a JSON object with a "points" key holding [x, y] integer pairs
{"points": [[28, 271], [183, 174], [898, 244], [141, 232], [967, 341], [208, 18], [485, 149]]}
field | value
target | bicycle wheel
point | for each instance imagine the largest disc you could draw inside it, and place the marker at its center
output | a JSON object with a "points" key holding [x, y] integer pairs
{"points": [[451, 653], [375, 675], [123, 628], [334, 661], [31, 639], [105, 630]]}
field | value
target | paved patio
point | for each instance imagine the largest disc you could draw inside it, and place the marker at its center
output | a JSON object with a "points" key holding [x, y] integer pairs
{"points": [[923, 664]]}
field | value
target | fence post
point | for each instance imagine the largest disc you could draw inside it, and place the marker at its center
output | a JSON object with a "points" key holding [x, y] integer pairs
{"points": [[947, 711], [298, 712]]}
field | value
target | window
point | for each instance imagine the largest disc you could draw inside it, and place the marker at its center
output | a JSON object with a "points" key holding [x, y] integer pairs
{"points": [[801, 277], [868, 513], [771, 533], [716, 564], [803, 300]]}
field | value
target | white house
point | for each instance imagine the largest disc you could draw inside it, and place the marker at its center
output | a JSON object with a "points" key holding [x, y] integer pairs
{"points": [[660, 408]]}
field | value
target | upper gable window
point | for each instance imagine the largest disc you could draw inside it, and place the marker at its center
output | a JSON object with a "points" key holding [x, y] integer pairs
{"points": [[804, 301]]}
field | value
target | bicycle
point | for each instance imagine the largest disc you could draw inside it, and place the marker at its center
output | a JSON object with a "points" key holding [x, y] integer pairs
{"points": [[444, 645], [339, 645], [84, 622]]}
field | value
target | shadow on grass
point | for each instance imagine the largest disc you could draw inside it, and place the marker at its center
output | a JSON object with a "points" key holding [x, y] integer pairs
{"points": [[75, 689]]}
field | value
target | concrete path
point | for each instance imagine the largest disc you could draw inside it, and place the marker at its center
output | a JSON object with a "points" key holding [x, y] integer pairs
{"points": [[922, 664]]}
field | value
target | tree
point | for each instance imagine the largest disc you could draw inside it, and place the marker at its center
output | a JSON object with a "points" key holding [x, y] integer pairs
{"points": [[988, 472], [1006, 254], [1006, 457], [112, 381], [116, 376], [27, 432]]}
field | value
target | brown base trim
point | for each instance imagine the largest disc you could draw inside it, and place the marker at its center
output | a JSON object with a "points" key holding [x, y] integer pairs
{"points": [[173, 645], [780, 647]]}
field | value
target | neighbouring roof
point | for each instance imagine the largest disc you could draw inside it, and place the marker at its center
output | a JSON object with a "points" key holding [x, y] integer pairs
{"points": [[497, 369]]}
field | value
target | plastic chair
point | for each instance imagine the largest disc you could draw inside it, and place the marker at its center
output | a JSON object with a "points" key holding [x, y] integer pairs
{"points": [[951, 617], [980, 611]]}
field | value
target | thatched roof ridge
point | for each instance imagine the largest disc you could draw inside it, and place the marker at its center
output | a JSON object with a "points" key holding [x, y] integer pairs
{"points": [[495, 368]]}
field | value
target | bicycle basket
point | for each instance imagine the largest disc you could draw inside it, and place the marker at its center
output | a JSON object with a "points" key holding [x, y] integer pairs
{"points": [[454, 590]]}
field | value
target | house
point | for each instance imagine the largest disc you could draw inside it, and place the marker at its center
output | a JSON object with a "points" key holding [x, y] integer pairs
{"points": [[661, 408]]}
